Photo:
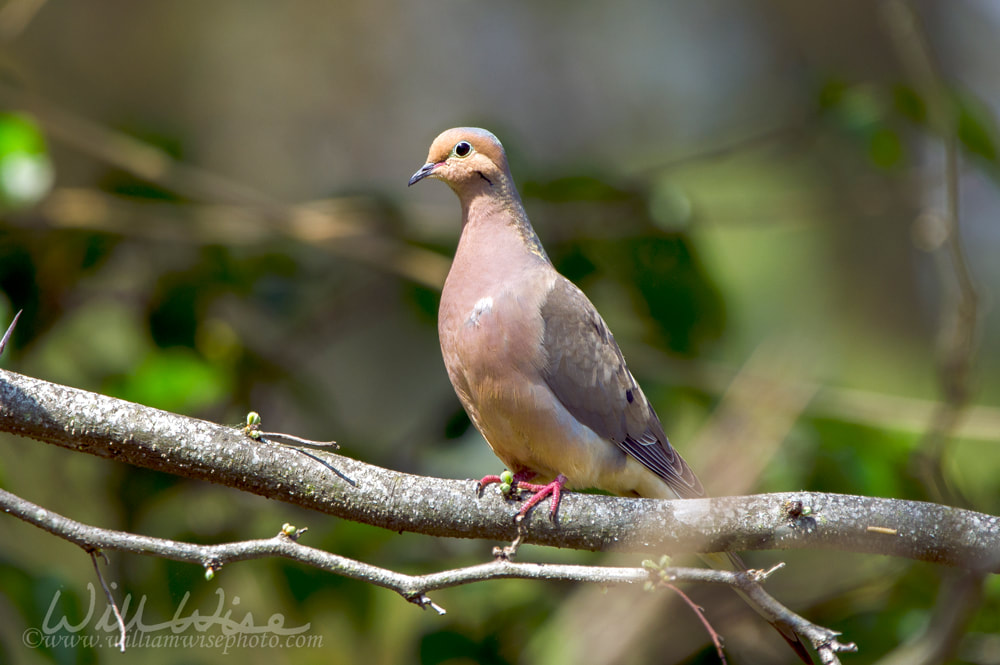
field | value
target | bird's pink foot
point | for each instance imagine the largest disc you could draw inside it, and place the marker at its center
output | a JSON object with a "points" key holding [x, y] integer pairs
{"points": [[519, 481], [488, 480], [540, 492]]}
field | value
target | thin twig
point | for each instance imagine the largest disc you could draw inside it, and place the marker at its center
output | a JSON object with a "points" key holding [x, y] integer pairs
{"points": [[291, 439], [10, 331], [252, 429], [700, 613], [111, 599], [823, 639]]}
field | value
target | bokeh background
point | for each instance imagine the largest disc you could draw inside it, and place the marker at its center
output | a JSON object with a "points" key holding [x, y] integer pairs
{"points": [[205, 210]]}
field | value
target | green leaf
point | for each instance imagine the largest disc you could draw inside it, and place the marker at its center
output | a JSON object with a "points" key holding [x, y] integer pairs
{"points": [[977, 130], [909, 104], [885, 148], [174, 379], [20, 134], [26, 173]]}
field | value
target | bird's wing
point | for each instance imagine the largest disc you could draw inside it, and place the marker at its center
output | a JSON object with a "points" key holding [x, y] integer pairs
{"points": [[586, 371]]}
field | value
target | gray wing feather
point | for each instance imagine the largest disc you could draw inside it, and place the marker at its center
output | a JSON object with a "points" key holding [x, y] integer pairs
{"points": [[587, 372]]}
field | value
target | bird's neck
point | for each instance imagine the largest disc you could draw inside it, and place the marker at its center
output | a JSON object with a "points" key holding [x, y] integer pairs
{"points": [[498, 217], [497, 246]]}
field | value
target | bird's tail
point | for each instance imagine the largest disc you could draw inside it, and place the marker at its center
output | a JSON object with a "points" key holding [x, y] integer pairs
{"points": [[732, 561]]}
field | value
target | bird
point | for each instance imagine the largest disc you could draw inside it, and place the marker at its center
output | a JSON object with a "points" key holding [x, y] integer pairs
{"points": [[532, 361]]}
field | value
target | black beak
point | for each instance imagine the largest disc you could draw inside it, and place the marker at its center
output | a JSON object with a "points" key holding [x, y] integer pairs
{"points": [[424, 171]]}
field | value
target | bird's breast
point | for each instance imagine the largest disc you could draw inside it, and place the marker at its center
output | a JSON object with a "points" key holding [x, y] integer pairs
{"points": [[492, 347], [489, 335]]}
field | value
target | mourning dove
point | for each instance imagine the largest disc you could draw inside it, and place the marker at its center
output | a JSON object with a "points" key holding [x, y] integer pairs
{"points": [[532, 361]]}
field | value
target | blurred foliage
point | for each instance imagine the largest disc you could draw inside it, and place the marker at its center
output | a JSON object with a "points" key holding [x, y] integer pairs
{"points": [[803, 239], [873, 114], [611, 231], [25, 168]]}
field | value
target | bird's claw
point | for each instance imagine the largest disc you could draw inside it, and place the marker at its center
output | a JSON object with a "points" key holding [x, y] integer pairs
{"points": [[540, 492], [518, 481], [486, 480]]}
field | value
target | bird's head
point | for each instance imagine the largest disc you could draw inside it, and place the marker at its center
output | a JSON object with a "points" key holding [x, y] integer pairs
{"points": [[466, 158]]}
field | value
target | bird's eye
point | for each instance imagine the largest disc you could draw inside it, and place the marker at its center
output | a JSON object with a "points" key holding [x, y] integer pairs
{"points": [[462, 148]]}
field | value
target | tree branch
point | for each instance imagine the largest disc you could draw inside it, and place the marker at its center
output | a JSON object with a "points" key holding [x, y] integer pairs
{"points": [[413, 588], [340, 486]]}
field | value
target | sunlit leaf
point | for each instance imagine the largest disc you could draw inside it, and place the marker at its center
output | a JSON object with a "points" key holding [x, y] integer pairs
{"points": [[26, 172], [174, 379]]}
